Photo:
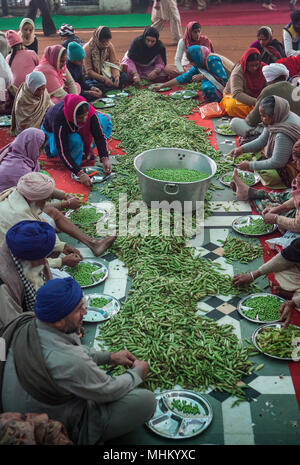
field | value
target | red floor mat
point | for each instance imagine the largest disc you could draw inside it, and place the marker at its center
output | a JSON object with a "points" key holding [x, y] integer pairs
{"points": [[237, 14]]}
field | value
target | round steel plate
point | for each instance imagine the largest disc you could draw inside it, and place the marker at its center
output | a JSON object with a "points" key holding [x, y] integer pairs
{"points": [[97, 314], [242, 306], [242, 221], [102, 268], [272, 325]]}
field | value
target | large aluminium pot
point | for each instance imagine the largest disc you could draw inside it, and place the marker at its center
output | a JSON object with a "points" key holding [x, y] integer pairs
{"points": [[188, 193]]}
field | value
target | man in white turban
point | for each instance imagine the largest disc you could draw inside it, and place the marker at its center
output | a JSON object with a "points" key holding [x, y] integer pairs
{"points": [[28, 201], [276, 75]]}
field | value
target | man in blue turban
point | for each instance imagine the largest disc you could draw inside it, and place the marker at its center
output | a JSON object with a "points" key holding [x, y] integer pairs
{"points": [[63, 379], [24, 267]]}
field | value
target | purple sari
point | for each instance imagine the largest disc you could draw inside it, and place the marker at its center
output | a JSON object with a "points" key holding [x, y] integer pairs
{"points": [[20, 157]]}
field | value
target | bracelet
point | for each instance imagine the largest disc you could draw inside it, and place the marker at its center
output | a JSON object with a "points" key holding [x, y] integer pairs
{"points": [[276, 219], [252, 276]]}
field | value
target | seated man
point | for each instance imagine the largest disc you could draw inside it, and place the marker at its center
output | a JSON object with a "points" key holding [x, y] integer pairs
{"points": [[28, 200], [276, 76], [23, 266], [68, 385]]}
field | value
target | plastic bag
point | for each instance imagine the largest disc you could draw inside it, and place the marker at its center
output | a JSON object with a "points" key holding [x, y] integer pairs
{"points": [[282, 242], [212, 110]]}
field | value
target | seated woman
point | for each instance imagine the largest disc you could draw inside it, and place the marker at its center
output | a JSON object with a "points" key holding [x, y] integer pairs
{"points": [[146, 57], [192, 36], [7, 90], [71, 126], [286, 267], [270, 49], [59, 80], [282, 130], [244, 85], [27, 34], [76, 55], [101, 64], [208, 69], [31, 103], [291, 35], [21, 60]]}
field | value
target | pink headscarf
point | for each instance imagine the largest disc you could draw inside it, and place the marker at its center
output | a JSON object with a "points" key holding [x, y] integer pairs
{"points": [[49, 65], [71, 104], [20, 157], [203, 40]]}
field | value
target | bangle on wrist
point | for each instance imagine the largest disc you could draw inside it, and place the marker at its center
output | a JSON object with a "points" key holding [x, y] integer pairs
{"points": [[276, 219], [252, 275]]}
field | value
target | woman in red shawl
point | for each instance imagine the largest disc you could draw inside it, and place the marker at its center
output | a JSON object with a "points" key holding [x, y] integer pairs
{"points": [[71, 126], [244, 85], [292, 64]]}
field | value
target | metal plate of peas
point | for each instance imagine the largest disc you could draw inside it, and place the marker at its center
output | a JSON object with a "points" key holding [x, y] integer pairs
{"points": [[163, 89], [282, 348], [183, 94], [88, 276], [180, 414], [100, 307], [99, 175], [247, 177], [80, 217], [225, 130], [252, 225], [118, 93], [261, 307]]}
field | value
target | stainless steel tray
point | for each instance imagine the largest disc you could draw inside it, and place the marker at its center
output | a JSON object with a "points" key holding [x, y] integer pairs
{"points": [[218, 130], [242, 221], [171, 423], [84, 207], [242, 307], [163, 89], [117, 93], [104, 102], [271, 325], [256, 178], [183, 94], [97, 314], [102, 268], [99, 177]]}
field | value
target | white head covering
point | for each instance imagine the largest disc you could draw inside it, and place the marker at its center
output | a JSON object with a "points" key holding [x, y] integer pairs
{"points": [[274, 70], [35, 80], [29, 41]]}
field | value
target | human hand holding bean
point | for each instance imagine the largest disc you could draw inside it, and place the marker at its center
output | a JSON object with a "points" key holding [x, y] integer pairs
{"points": [[197, 78], [71, 260], [74, 203], [86, 180], [68, 249], [269, 218], [153, 75], [124, 358], [244, 165], [235, 152], [286, 311], [144, 366], [242, 279]]}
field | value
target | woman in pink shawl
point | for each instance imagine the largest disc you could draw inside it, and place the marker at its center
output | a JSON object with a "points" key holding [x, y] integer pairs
{"points": [[59, 80], [20, 157]]}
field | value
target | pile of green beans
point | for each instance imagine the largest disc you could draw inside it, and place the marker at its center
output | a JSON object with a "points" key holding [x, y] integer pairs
{"points": [[85, 216], [237, 249], [158, 320], [277, 342], [256, 226], [176, 175], [82, 273], [98, 302], [185, 407]]}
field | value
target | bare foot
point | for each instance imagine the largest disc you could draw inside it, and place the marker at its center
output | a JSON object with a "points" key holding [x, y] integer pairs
{"points": [[101, 245], [241, 188], [269, 6], [282, 293]]}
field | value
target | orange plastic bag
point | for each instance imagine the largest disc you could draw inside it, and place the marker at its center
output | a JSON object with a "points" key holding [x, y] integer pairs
{"points": [[212, 110]]}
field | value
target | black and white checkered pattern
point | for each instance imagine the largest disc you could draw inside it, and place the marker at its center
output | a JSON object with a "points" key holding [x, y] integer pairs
{"points": [[30, 292]]}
